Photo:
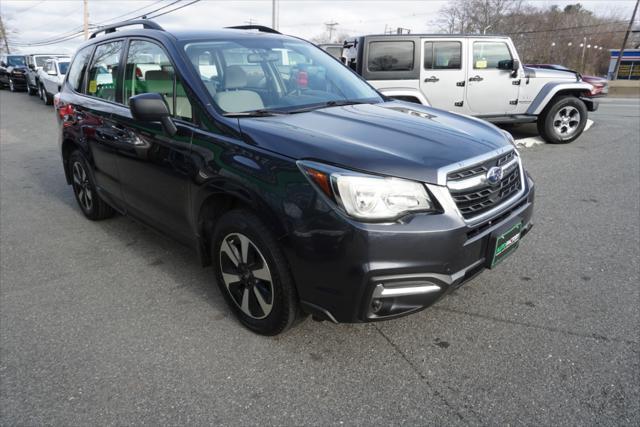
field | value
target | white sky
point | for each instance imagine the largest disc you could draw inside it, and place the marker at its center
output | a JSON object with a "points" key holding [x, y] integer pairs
{"points": [[36, 20]]}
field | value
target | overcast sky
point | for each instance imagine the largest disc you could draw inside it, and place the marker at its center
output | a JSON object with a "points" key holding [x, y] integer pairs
{"points": [[37, 20]]}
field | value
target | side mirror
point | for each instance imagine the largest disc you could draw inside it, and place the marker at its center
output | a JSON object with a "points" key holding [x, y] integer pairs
{"points": [[150, 107], [506, 64], [31, 67], [3, 64]]}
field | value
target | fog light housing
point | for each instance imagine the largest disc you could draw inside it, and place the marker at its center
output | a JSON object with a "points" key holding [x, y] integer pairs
{"points": [[376, 306]]}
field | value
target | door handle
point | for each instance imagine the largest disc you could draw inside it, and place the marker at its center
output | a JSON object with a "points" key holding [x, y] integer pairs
{"points": [[431, 79], [476, 79]]}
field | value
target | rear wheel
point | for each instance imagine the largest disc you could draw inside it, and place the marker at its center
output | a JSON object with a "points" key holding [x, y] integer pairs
{"points": [[563, 120], [84, 189], [252, 273]]}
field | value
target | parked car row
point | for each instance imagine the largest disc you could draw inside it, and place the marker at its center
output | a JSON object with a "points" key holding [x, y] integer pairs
{"points": [[38, 74]]}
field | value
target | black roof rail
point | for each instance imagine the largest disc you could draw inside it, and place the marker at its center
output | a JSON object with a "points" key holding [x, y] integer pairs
{"points": [[260, 28], [147, 24]]}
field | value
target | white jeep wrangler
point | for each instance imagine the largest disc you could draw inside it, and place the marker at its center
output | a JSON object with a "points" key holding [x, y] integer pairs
{"points": [[476, 75]]}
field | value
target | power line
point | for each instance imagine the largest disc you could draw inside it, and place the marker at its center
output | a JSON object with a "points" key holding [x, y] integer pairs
{"points": [[173, 10], [77, 32]]}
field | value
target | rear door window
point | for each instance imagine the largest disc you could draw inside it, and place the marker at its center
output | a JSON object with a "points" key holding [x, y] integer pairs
{"points": [[103, 72], [442, 55], [78, 68], [391, 56]]}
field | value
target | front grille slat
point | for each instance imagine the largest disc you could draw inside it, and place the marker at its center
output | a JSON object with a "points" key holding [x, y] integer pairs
{"points": [[478, 200]]}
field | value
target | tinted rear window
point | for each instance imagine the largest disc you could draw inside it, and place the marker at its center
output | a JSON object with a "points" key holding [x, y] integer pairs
{"points": [[391, 56]]}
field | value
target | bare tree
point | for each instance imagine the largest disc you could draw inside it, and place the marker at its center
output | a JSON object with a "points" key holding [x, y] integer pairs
{"points": [[573, 36]]}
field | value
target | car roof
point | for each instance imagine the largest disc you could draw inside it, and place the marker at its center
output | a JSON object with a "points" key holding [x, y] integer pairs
{"points": [[440, 35]]}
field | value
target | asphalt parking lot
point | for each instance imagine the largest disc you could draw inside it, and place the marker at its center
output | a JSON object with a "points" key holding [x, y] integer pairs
{"points": [[110, 323]]}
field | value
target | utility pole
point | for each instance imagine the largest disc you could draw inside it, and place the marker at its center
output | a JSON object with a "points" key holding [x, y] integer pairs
{"points": [[250, 21], [4, 35], [274, 14], [85, 22], [330, 27], [624, 42]]}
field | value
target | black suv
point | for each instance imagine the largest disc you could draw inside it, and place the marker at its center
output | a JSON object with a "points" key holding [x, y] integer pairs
{"points": [[307, 190], [13, 72]]}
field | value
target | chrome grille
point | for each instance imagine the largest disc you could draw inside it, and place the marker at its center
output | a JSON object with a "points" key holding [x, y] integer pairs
{"points": [[474, 195]]}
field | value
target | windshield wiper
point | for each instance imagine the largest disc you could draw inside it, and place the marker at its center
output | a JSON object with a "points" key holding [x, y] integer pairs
{"points": [[256, 113], [333, 103]]}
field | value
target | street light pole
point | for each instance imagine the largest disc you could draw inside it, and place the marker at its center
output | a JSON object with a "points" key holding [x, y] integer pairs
{"points": [[624, 42]]}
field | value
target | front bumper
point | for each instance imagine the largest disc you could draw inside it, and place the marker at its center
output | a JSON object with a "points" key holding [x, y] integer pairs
{"points": [[19, 80], [345, 270]]}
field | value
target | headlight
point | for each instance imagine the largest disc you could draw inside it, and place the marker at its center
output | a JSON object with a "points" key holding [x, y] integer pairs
{"points": [[369, 197]]}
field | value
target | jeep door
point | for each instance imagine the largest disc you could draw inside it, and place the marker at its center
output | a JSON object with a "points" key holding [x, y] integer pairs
{"points": [[155, 167], [442, 74], [491, 90]]}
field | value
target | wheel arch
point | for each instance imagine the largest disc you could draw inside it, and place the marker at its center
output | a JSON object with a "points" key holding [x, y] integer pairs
{"points": [[551, 91], [214, 203]]}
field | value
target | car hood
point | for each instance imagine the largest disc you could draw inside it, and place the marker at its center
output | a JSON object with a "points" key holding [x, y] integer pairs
{"points": [[544, 73], [395, 138]]}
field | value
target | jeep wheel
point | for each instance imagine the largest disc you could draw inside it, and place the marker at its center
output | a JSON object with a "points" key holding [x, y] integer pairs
{"points": [[563, 120], [84, 188], [253, 274]]}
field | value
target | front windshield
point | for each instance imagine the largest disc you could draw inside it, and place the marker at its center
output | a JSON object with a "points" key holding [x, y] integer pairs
{"points": [[16, 61], [63, 67], [275, 75]]}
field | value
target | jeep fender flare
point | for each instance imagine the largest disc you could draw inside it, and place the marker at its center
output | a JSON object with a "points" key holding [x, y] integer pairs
{"points": [[550, 90], [405, 92]]}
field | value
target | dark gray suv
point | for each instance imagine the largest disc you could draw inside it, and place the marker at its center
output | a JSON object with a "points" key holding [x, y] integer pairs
{"points": [[307, 190]]}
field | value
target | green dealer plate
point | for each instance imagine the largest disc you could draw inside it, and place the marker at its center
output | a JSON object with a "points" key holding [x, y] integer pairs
{"points": [[505, 244]]}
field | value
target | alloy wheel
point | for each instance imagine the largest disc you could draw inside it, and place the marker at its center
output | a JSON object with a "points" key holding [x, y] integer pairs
{"points": [[566, 121], [246, 275], [82, 187]]}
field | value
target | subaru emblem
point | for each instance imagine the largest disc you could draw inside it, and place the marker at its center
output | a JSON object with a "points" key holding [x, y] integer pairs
{"points": [[494, 175]]}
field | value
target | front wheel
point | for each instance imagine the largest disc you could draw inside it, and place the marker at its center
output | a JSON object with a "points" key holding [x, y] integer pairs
{"points": [[253, 274], [32, 91], [46, 98], [84, 188], [563, 120]]}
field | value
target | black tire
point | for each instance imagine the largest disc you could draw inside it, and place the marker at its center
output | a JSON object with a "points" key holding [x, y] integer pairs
{"points": [[548, 125], [284, 309], [46, 98], [32, 91], [84, 189]]}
